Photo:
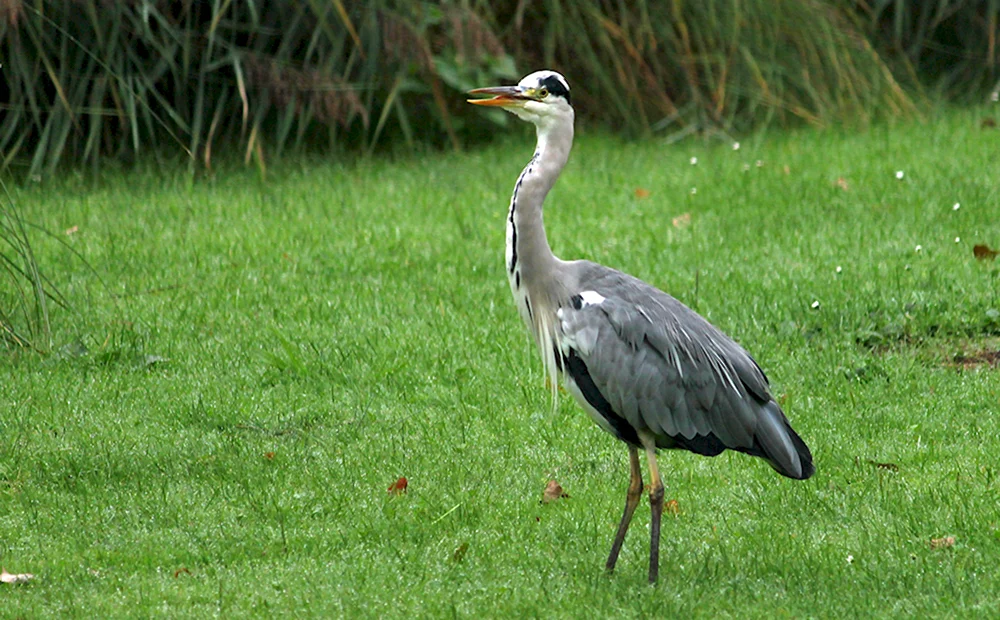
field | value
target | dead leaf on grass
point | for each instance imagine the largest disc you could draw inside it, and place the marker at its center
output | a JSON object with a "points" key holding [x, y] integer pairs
{"points": [[988, 123], [553, 491], [943, 542], [72, 230], [641, 192], [672, 507], [398, 487], [983, 252], [876, 464], [6, 577], [842, 183], [183, 569], [682, 220], [460, 552], [889, 466], [979, 358]]}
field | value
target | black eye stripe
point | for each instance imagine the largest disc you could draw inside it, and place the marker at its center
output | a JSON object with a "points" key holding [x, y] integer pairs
{"points": [[556, 87]]}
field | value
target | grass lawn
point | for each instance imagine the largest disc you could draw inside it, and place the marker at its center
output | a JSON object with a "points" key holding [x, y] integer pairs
{"points": [[217, 432]]}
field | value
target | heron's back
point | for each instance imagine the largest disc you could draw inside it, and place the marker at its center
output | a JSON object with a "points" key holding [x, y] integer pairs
{"points": [[664, 370]]}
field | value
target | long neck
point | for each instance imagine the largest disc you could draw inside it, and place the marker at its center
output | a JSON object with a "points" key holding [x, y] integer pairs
{"points": [[531, 267], [528, 253]]}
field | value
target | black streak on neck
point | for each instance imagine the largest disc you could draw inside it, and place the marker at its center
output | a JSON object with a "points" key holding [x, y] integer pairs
{"points": [[510, 216]]}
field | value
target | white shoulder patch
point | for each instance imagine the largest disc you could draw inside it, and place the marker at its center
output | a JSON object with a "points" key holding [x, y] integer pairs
{"points": [[591, 298]]}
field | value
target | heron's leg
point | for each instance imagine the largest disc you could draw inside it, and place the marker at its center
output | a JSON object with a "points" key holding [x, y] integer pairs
{"points": [[631, 501], [656, 508]]}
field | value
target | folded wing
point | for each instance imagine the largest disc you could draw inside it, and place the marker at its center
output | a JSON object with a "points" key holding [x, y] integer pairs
{"points": [[664, 369]]}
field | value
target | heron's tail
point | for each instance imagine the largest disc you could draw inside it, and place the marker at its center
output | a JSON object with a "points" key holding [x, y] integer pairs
{"points": [[780, 445]]}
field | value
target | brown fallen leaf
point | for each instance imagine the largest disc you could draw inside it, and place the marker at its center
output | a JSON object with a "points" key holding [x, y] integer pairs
{"points": [[943, 542], [460, 552], [6, 577], [988, 123], [983, 252], [672, 507], [183, 569], [553, 491], [980, 358], [682, 220], [398, 487], [842, 183], [269, 456], [72, 229], [889, 466], [641, 192]]}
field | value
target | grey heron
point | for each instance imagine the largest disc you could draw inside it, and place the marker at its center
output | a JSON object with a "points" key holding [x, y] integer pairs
{"points": [[648, 369]]}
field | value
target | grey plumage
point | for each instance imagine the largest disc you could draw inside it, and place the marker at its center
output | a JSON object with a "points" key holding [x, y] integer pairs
{"points": [[667, 370], [645, 367]]}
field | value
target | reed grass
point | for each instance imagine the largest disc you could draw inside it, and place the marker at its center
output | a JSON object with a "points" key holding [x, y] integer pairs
{"points": [[88, 80]]}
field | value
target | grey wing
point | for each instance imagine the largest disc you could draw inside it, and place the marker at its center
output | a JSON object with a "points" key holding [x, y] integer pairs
{"points": [[664, 370]]}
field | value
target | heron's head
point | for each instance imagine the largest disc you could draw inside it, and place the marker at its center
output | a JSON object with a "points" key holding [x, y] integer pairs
{"points": [[541, 98]]}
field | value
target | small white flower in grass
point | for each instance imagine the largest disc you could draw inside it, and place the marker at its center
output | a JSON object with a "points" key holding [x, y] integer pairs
{"points": [[919, 248], [958, 239], [995, 96], [956, 206], [839, 269], [759, 163], [900, 175], [746, 167], [694, 190], [850, 558], [694, 161], [906, 267], [815, 305], [736, 146]]}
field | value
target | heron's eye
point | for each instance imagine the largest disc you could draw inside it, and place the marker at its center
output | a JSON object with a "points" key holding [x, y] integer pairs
{"points": [[543, 92]]}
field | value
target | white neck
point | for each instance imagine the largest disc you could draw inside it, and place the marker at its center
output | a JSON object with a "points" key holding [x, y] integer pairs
{"points": [[528, 251], [532, 269]]}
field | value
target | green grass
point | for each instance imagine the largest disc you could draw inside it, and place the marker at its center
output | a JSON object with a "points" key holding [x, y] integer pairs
{"points": [[335, 327]]}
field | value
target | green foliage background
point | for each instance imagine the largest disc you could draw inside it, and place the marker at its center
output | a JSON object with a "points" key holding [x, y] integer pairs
{"points": [[87, 79]]}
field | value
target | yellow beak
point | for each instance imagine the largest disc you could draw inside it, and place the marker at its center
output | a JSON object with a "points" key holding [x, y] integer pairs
{"points": [[503, 96]]}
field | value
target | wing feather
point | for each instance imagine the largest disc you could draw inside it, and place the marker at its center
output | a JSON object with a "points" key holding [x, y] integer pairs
{"points": [[667, 371]]}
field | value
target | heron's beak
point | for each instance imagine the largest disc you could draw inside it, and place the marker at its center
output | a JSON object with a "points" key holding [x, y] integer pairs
{"points": [[503, 96]]}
